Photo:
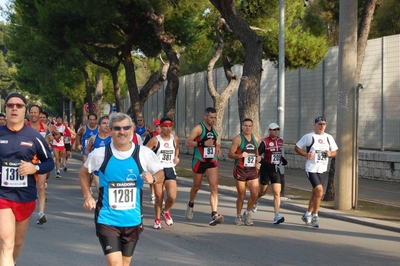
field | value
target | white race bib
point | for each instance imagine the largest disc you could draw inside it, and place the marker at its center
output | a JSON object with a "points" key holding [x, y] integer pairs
{"points": [[166, 156], [122, 195], [10, 176], [320, 157], [250, 161], [209, 152], [276, 157]]}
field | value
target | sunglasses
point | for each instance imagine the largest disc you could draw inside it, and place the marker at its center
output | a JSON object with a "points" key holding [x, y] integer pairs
{"points": [[276, 129], [19, 105], [117, 128], [322, 124]]}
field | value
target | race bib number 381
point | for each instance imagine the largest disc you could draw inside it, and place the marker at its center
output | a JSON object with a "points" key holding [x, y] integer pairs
{"points": [[122, 195]]}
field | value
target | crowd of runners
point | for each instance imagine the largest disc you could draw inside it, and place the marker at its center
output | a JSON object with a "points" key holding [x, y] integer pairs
{"points": [[120, 156]]}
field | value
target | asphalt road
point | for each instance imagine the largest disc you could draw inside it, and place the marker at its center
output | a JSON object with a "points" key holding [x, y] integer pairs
{"points": [[68, 238]]}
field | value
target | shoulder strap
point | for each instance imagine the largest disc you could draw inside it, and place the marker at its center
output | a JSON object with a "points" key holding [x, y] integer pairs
{"points": [[107, 156], [309, 147], [135, 156]]}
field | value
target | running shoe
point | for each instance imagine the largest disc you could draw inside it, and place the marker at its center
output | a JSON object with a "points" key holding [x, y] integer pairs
{"points": [[167, 217], [255, 207], [314, 222], [247, 218], [58, 175], [153, 200], [65, 169], [306, 219], [189, 213], [157, 223], [216, 219], [239, 220], [278, 219], [41, 219]]}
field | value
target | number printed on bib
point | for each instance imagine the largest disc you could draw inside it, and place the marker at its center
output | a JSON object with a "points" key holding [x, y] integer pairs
{"points": [[209, 152], [166, 156], [250, 161], [276, 157], [320, 157], [122, 195], [10, 176]]}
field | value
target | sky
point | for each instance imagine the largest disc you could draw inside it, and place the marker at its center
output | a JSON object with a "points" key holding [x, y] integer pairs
{"points": [[3, 4]]}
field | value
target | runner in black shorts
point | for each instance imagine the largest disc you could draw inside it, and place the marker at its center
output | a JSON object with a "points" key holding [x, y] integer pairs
{"points": [[271, 153], [244, 151], [203, 138], [166, 147], [317, 147]]}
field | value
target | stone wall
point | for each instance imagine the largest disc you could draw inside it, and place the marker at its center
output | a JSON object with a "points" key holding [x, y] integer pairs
{"points": [[380, 165]]}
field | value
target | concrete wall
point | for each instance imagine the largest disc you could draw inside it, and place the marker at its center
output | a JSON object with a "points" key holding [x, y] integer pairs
{"points": [[372, 164]]}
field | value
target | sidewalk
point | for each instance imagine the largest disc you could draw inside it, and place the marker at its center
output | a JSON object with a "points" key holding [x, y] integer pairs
{"points": [[386, 193]]}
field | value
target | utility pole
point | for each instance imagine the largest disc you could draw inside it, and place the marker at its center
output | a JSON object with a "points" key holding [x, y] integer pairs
{"points": [[281, 82], [347, 75]]}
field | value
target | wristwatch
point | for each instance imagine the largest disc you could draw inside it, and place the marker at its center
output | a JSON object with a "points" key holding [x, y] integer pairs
{"points": [[37, 167]]}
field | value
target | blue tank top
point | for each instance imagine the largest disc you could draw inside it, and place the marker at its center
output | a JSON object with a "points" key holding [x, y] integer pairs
{"points": [[100, 142], [86, 136], [120, 191], [140, 130]]}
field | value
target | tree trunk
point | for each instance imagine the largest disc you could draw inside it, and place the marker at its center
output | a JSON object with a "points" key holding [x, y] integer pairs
{"points": [[249, 87], [330, 190], [98, 94], [363, 32], [88, 96], [167, 42], [220, 99], [136, 105]]}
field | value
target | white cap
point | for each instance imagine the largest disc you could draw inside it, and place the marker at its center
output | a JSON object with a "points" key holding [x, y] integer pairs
{"points": [[273, 126]]}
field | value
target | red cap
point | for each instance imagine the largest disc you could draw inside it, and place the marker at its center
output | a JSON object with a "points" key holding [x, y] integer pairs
{"points": [[157, 122]]}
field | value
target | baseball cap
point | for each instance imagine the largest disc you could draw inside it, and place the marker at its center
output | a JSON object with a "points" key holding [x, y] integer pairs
{"points": [[15, 94], [273, 126], [156, 122], [319, 119]]}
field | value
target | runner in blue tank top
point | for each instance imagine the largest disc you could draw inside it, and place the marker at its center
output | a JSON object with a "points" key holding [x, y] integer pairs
{"points": [[85, 133], [123, 168], [101, 139]]}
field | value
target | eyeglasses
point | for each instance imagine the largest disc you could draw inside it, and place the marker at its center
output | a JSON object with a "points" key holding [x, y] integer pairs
{"points": [[275, 129], [118, 128], [19, 105]]}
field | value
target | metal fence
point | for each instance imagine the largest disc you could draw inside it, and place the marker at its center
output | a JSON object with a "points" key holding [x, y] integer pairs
{"points": [[308, 94]]}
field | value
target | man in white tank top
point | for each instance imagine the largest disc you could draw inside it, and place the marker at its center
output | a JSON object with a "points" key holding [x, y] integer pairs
{"points": [[166, 146]]}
